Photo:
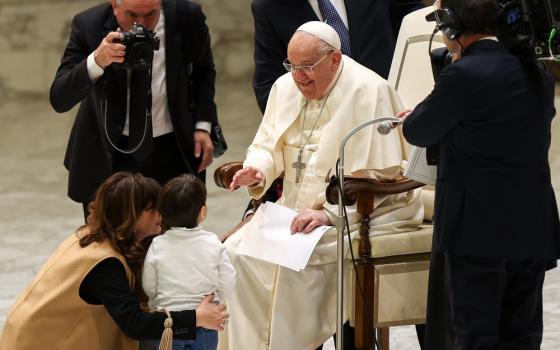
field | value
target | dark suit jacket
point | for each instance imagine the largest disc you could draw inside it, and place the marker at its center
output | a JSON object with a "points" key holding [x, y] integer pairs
{"points": [[88, 156], [491, 116], [373, 27]]}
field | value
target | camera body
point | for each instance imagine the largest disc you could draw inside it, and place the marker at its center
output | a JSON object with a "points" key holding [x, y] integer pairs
{"points": [[532, 26], [439, 58], [140, 46]]}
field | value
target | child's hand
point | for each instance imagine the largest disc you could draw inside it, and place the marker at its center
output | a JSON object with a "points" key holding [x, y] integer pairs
{"points": [[210, 315]]}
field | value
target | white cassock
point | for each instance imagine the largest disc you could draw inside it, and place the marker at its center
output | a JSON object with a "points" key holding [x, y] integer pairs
{"points": [[276, 308]]}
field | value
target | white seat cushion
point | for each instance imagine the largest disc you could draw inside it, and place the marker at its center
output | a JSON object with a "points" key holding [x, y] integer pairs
{"points": [[404, 243]]}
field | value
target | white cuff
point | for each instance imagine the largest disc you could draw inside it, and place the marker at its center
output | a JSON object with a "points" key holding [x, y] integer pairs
{"points": [[94, 71], [206, 126]]}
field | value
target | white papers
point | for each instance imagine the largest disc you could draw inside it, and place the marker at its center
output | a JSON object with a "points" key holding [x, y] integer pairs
{"points": [[417, 167], [267, 237]]}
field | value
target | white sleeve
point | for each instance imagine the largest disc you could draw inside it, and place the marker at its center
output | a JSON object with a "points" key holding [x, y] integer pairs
{"points": [[149, 274], [94, 71], [260, 154], [226, 275], [332, 213], [206, 126]]}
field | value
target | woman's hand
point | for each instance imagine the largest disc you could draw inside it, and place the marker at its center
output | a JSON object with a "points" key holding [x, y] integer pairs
{"points": [[308, 219], [210, 315]]}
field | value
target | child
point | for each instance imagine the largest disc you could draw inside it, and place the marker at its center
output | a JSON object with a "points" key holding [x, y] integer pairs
{"points": [[186, 263]]}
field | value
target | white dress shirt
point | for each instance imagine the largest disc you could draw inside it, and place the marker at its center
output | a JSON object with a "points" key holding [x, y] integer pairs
{"points": [[161, 117], [338, 5], [183, 265]]}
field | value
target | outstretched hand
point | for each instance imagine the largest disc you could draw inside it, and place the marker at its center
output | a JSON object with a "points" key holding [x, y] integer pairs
{"points": [[246, 177], [210, 315]]}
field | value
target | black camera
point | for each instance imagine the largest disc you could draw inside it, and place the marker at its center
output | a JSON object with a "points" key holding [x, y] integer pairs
{"points": [[140, 45], [531, 26], [440, 58]]}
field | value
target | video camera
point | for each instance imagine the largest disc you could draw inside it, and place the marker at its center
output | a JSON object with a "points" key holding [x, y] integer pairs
{"points": [[140, 45], [530, 25], [523, 27]]}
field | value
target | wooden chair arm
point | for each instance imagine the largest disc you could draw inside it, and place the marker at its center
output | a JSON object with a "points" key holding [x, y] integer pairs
{"points": [[362, 190], [224, 173], [353, 186]]}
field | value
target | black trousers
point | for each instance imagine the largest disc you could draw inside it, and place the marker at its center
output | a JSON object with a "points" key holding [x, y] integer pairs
{"points": [[162, 165], [439, 330], [495, 303]]}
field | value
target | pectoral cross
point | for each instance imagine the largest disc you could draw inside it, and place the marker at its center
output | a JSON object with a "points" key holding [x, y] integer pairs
{"points": [[299, 165]]}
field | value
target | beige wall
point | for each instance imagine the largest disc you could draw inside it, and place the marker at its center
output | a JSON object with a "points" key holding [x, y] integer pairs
{"points": [[33, 34]]}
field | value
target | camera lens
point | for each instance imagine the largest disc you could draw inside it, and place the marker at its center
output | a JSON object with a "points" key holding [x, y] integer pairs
{"points": [[141, 54]]}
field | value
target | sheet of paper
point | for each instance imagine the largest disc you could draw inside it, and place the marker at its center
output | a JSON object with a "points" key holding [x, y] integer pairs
{"points": [[417, 167], [267, 237]]}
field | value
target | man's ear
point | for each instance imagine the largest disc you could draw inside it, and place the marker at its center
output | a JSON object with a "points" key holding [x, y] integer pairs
{"points": [[113, 5], [336, 57]]}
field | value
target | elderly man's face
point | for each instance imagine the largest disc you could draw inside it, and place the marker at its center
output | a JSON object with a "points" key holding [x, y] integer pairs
{"points": [[144, 12], [303, 50]]}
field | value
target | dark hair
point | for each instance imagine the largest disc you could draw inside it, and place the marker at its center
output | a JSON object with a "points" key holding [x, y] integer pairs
{"points": [[118, 203], [180, 201], [475, 16]]}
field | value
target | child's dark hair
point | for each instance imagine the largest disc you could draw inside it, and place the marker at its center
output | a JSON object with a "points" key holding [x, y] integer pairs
{"points": [[180, 201]]}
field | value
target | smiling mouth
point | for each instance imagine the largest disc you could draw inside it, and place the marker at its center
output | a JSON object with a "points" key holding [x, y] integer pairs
{"points": [[305, 84]]}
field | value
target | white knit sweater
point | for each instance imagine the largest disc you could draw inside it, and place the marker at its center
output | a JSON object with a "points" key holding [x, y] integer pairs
{"points": [[183, 266]]}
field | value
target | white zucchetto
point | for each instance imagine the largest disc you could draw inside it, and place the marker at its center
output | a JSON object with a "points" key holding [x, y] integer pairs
{"points": [[323, 31]]}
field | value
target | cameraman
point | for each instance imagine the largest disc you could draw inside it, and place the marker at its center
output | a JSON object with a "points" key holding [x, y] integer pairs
{"points": [[496, 220], [171, 136]]}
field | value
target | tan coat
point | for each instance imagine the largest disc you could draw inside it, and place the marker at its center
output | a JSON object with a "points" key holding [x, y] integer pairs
{"points": [[49, 313]]}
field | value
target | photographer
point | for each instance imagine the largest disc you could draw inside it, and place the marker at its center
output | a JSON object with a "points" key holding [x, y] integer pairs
{"points": [[159, 118], [496, 217]]}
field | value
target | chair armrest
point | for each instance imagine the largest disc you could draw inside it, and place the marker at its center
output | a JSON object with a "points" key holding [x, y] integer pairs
{"points": [[362, 190], [354, 186], [224, 173]]}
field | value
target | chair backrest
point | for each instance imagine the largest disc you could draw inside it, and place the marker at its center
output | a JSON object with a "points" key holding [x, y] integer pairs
{"points": [[411, 70]]}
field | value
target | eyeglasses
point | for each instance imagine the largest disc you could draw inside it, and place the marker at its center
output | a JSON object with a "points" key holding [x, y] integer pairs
{"points": [[305, 69]]}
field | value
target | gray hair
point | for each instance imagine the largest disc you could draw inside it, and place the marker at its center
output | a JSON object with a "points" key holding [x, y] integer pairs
{"points": [[118, 2], [324, 47], [321, 46]]}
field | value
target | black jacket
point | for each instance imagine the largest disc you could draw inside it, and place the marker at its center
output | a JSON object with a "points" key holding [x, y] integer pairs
{"points": [[88, 155], [491, 116], [373, 27]]}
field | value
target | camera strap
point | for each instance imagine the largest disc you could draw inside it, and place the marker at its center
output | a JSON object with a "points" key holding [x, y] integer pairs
{"points": [[147, 118]]}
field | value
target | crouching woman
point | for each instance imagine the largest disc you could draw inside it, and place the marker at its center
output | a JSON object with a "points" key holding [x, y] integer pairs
{"points": [[88, 294]]}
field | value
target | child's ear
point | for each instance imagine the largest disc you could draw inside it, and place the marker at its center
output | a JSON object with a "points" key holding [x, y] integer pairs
{"points": [[202, 214]]}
